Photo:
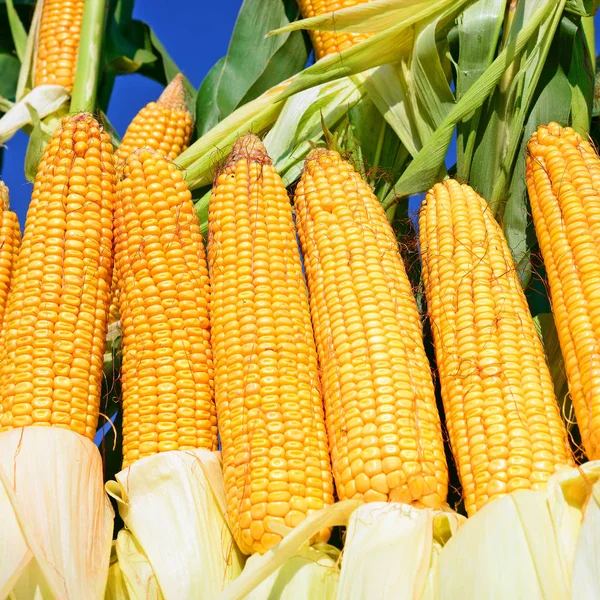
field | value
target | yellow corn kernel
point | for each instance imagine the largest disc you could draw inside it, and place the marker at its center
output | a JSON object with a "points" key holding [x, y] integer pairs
{"points": [[58, 305], [167, 371], [165, 126], [330, 42], [503, 420], [382, 420], [271, 418], [10, 240], [58, 42], [563, 179]]}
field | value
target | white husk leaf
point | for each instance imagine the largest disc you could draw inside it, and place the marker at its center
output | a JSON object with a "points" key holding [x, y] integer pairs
{"points": [[312, 572], [138, 576], [520, 545], [299, 125], [174, 506], [45, 99], [57, 521], [291, 544], [586, 565], [391, 549], [116, 589]]}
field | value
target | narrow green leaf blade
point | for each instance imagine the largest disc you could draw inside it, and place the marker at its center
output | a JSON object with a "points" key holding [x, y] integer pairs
{"points": [[244, 75], [19, 34]]}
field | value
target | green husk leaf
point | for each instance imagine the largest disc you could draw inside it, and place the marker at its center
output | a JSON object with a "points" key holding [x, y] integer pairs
{"points": [[424, 169], [362, 18], [581, 79], [477, 25], [27, 70], [389, 87], [299, 126], [201, 158], [546, 329], [19, 34], [39, 137], [387, 46], [581, 8], [242, 76]]}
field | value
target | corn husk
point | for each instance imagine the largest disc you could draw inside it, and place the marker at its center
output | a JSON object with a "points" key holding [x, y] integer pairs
{"points": [[57, 522], [312, 572], [521, 545], [116, 589], [294, 542], [174, 507], [586, 564], [391, 551]]}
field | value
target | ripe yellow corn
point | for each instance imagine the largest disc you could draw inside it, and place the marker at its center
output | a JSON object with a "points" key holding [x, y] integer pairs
{"points": [[165, 126], [58, 42], [10, 239], [382, 420], [503, 420], [166, 373], [58, 305], [330, 42], [269, 405], [563, 179]]}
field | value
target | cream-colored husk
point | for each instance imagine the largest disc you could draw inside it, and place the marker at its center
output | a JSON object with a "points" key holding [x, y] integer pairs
{"points": [[56, 520], [178, 542], [523, 545]]}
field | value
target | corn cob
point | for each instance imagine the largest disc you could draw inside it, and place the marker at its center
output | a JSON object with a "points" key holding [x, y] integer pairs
{"points": [[58, 42], [165, 126], [382, 420], [57, 308], [166, 373], [10, 239], [503, 420], [563, 179], [269, 406], [330, 42]]}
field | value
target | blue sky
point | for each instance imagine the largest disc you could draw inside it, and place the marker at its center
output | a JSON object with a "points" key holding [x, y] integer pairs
{"points": [[196, 36]]}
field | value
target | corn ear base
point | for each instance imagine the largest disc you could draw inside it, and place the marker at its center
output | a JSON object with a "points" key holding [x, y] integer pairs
{"points": [[382, 536], [195, 556], [586, 564], [39, 488], [313, 572], [521, 545]]}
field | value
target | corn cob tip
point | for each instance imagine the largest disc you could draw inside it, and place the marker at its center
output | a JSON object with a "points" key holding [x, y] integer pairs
{"points": [[4, 196], [317, 153], [174, 96], [250, 147]]}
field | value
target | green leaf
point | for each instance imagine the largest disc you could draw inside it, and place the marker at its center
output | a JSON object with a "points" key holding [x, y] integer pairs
{"points": [[581, 79], [388, 87], [424, 169], [19, 34], [388, 46], [546, 329], [581, 8], [242, 76], [479, 23], [9, 74]]}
